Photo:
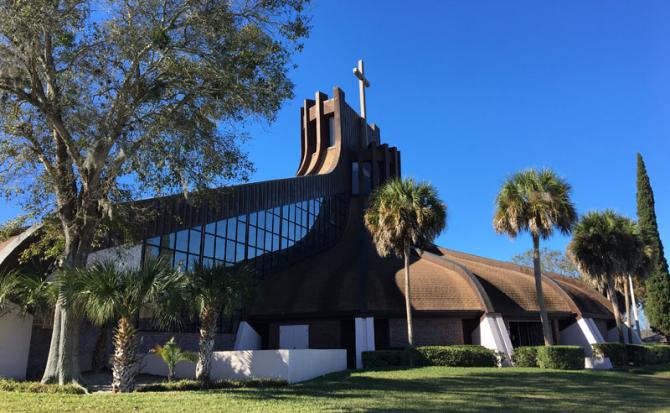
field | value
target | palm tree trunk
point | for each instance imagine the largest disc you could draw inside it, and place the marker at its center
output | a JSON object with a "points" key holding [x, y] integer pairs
{"points": [[408, 306], [615, 307], [208, 319], [629, 322], [544, 316], [124, 360]]}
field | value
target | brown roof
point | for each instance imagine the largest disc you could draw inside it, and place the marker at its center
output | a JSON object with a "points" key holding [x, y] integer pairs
{"points": [[511, 288]]}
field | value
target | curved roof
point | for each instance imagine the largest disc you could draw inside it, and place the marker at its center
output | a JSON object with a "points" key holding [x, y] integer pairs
{"points": [[511, 288]]}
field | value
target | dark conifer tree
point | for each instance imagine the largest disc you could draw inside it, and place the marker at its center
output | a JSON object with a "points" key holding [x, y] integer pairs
{"points": [[657, 296]]}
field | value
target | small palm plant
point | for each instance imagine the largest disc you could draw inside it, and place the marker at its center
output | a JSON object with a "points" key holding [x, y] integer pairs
{"points": [[214, 289], [537, 202], [606, 246], [172, 355], [105, 294], [403, 214]]}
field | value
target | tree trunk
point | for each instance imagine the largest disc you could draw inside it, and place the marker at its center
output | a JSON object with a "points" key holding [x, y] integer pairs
{"points": [[63, 360], [124, 360], [408, 305], [208, 320], [537, 269], [629, 322], [615, 307]]}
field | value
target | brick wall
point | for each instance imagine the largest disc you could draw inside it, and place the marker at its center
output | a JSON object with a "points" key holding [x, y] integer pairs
{"points": [[427, 331]]}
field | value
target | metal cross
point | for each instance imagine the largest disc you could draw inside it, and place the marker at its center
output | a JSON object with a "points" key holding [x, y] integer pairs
{"points": [[362, 84]]}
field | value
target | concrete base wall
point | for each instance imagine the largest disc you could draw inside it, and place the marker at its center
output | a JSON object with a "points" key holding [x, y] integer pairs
{"points": [[291, 365], [15, 333], [492, 333]]}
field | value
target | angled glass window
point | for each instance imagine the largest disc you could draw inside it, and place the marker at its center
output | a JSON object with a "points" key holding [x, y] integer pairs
{"points": [[182, 240]]}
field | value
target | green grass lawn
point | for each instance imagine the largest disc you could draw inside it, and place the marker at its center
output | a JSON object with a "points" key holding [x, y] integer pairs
{"points": [[419, 390]]}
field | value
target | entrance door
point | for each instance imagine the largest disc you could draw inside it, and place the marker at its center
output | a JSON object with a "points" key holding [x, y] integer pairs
{"points": [[294, 337]]}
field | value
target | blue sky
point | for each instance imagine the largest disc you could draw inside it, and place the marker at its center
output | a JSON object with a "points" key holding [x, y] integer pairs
{"points": [[472, 91]]}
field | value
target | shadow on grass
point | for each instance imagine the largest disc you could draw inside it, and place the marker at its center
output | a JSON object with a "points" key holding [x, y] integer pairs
{"points": [[440, 389]]}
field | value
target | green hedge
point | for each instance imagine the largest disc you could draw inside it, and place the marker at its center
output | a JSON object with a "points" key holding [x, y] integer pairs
{"points": [[625, 355], [453, 356], [525, 356], [384, 358], [561, 357]]}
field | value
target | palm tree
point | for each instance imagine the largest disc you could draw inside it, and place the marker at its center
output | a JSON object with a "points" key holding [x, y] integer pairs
{"points": [[105, 294], [25, 292], [214, 289], [537, 201], [607, 247], [403, 214], [172, 355]]}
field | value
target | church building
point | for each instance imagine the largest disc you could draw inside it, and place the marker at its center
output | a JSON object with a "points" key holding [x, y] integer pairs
{"points": [[322, 284]]}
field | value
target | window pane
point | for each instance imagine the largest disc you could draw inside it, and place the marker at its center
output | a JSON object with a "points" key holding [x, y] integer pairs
{"points": [[207, 262], [211, 228], [268, 241], [367, 177], [261, 219], [221, 228], [275, 227], [180, 260], [182, 240], [275, 243], [331, 130], [252, 218], [241, 231], [260, 239], [284, 228], [230, 251], [220, 248], [242, 218], [154, 241], [208, 249], [251, 252], [284, 211], [232, 222], [252, 236], [167, 241], [268, 220], [151, 251], [194, 243], [239, 255]]}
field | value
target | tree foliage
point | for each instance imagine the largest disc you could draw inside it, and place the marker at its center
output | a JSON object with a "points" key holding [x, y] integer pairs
{"points": [[404, 213], [608, 247], [108, 101], [537, 201], [552, 261], [657, 286]]}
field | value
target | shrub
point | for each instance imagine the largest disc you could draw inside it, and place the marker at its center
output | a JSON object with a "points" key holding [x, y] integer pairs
{"points": [[186, 385], [625, 355], [384, 358], [661, 352], [9, 385], [525, 356], [615, 351], [640, 355], [455, 356], [560, 357]]}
